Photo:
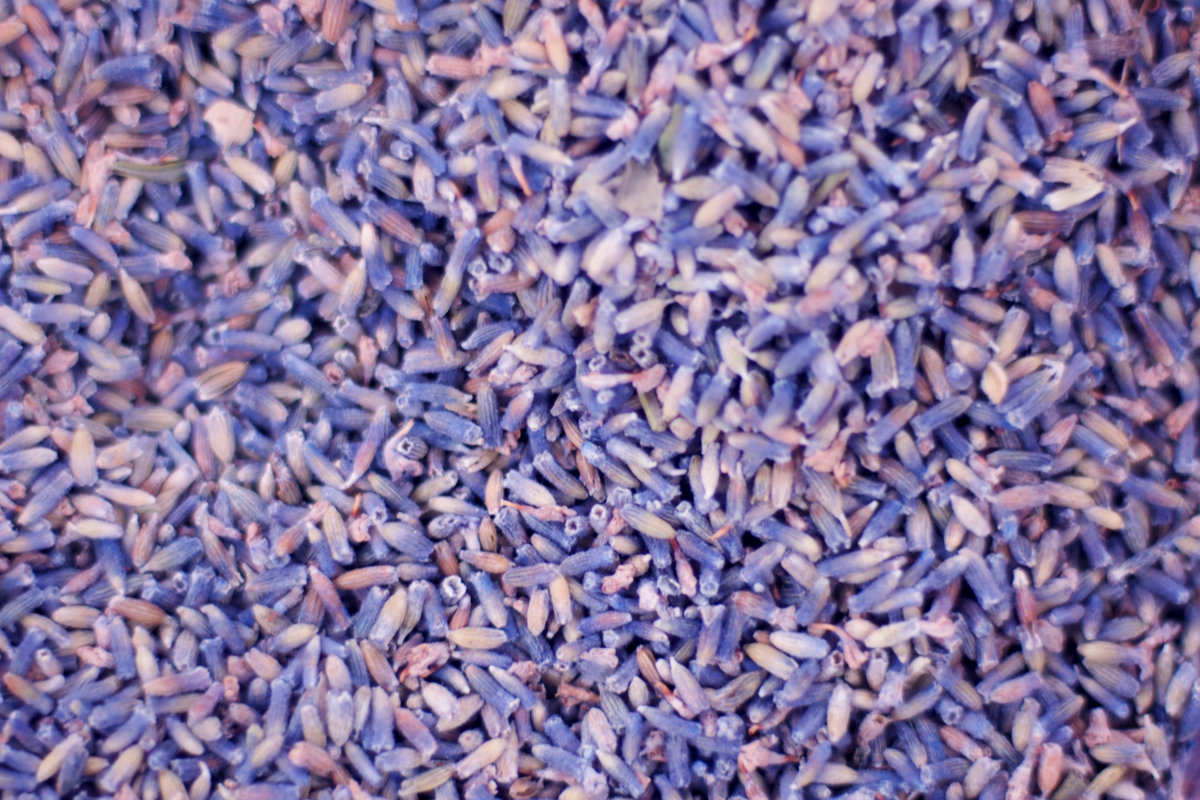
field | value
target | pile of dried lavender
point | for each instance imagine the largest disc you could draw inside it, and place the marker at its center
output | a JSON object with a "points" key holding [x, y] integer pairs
{"points": [[674, 398]]}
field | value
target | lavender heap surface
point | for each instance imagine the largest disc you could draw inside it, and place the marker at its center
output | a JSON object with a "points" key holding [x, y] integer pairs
{"points": [[496, 399]]}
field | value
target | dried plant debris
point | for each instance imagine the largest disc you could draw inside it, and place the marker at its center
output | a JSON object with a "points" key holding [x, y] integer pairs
{"points": [[665, 399]]}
